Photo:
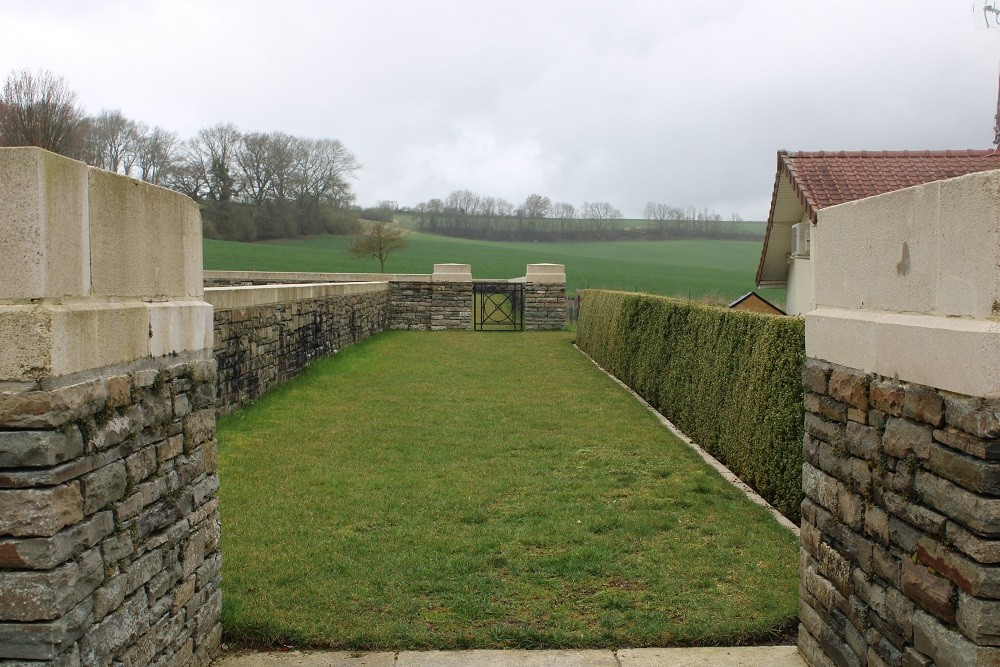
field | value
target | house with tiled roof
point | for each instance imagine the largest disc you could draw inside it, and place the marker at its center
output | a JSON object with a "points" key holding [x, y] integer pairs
{"points": [[806, 183]]}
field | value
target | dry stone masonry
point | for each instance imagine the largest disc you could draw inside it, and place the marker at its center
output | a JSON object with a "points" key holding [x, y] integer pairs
{"points": [[900, 559], [901, 522], [109, 517], [269, 326], [109, 523], [265, 336]]}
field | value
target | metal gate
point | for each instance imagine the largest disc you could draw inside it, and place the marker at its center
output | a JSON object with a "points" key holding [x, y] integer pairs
{"points": [[498, 306]]}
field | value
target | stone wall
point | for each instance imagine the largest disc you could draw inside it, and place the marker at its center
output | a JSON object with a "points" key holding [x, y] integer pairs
{"points": [[901, 523], [109, 517], [544, 306], [109, 528], [267, 335]]}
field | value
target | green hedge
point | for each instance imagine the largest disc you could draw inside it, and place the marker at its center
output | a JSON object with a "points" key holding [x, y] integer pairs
{"points": [[730, 379]]}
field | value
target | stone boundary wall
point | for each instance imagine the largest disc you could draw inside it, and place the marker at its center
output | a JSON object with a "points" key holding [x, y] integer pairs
{"points": [[109, 523], [901, 523], [545, 307], [267, 335], [109, 517]]}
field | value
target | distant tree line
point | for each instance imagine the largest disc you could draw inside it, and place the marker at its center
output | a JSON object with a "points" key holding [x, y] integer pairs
{"points": [[254, 185], [466, 214]]}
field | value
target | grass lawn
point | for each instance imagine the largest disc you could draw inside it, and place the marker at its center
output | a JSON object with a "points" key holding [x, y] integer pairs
{"points": [[694, 268], [459, 489]]}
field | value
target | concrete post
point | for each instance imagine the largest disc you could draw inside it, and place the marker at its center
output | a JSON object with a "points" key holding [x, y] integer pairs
{"points": [[109, 527], [901, 521]]}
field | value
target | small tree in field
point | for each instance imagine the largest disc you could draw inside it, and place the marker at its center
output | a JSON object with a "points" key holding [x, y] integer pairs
{"points": [[378, 240]]}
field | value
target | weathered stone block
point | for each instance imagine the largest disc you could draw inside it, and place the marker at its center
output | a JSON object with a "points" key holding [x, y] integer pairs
{"points": [[141, 465], [903, 437], [829, 432], [116, 631], [40, 512], [104, 486], [977, 512], [45, 595], [820, 487], [972, 577], [971, 445], [863, 441], [935, 594], [979, 549], [923, 404], [45, 553], [887, 396], [25, 449], [978, 619], [975, 416], [968, 472], [44, 640], [850, 387], [53, 408], [946, 647]]}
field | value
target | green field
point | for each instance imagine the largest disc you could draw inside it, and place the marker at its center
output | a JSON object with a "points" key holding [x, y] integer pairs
{"points": [[722, 270]]}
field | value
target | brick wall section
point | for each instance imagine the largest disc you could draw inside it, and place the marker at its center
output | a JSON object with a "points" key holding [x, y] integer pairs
{"points": [[901, 523], [259, 347], [430, 306], [544, 306], [109, 527]]}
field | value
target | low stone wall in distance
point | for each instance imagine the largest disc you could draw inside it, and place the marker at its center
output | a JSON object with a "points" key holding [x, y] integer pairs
{"points": [[268, 334], [901, 523]]}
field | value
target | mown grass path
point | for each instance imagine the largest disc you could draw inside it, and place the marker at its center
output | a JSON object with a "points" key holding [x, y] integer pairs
{"points": [[458, 489]]}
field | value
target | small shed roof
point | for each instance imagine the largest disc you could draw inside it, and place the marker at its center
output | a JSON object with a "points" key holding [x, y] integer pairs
{"points": [[806, 182], [754, 297]]}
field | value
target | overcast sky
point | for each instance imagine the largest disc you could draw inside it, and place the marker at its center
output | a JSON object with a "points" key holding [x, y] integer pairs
{"points": [[626, 101]]}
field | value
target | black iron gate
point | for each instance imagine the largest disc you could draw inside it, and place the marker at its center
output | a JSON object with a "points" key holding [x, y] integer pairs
{"points": [[498, 306]]}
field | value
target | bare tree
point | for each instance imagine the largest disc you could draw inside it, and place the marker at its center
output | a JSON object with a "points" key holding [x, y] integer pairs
{"points": [[211, 155], [378, 240], [112, 141], [321, 172], [156, 154], [601, 212], [39, 109]]}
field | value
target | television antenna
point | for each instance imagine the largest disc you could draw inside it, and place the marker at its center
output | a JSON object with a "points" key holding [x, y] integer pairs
{"points": [[986, 14]]}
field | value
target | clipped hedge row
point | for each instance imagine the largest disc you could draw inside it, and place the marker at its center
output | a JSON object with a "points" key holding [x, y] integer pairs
{"points": [[731, 380]]}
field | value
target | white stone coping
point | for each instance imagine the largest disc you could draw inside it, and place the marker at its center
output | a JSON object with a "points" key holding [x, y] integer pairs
{"points": [[546, 273], [452, 273], [51, 340], [227, 298], [290, 277], [958, 354]]}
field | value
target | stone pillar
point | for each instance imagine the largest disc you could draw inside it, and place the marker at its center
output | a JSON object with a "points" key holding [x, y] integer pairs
{"points": [[900, 559], [545, 297], [109, 527], [451, 297]]}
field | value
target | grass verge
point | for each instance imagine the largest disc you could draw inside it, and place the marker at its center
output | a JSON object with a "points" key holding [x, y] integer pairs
{"points": [[460, 490]]}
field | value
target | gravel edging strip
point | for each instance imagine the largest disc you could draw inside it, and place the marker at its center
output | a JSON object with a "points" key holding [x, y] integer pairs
{"points": [[726, 473]]}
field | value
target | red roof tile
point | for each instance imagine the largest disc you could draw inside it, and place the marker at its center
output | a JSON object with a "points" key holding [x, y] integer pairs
{"points": [[827, 178]]}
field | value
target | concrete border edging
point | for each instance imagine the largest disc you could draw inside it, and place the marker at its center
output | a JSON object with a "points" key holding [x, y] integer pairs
{"points": [[726, 473]]}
